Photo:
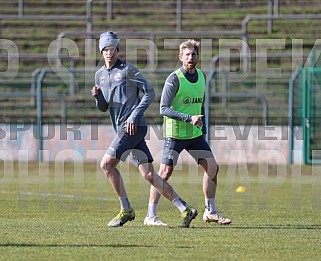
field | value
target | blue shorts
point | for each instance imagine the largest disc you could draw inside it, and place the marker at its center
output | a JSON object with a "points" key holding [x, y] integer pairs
{"points": [[198, 148], [133, 145]]}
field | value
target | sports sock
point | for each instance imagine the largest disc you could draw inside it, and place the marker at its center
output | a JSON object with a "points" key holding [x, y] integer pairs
{"points": [[179, 203], [152, 210], [124, 203], [210, 206]]}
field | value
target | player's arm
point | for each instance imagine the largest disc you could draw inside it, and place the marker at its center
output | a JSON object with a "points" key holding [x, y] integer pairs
{"points": [[101, 103], [204, 130], [96, 92], [137, 80], [170, 89]]}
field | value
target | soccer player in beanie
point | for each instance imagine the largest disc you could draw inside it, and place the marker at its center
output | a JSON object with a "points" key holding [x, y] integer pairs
{"points": [[183, 109], [117, 88]]}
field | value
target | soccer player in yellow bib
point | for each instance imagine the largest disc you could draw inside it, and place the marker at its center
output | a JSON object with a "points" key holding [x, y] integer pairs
{"points": [[182, 105]]}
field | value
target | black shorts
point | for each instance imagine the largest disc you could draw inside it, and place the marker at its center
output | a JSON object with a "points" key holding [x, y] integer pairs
{"points": [[198, 148], [133, 145]]}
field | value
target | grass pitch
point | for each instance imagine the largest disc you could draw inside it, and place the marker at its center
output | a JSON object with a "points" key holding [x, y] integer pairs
{"points": [[59, 212]]}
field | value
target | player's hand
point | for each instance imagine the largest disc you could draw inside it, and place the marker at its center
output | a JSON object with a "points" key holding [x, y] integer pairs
{"points": [[131, 128], [197, 120], [95, 91]]}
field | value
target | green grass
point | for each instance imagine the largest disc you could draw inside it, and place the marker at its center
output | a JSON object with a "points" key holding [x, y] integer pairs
{"points": [[61, 214]]}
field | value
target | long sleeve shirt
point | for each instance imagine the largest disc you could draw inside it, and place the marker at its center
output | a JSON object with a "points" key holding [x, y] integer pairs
{"points": [[170, 89], [120, 92]]}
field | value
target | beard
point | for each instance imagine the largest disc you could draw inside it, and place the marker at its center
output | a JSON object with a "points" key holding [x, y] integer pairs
{"points": [[191, 65]]}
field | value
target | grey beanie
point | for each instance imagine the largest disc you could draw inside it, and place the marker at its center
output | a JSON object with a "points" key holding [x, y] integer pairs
{"points": [[108, 39]]}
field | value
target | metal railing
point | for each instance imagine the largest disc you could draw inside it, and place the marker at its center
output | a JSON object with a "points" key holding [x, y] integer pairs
{"points": [[150, 35], [247, 19], [293, 77], [35, 72], [211, 87], [63, 106], [88, 18]]}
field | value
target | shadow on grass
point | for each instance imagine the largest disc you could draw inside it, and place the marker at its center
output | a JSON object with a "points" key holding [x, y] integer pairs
{"points": [[289, 226], [82, 245], [68, 245]]}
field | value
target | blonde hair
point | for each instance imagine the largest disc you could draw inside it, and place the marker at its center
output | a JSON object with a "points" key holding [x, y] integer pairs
{"points": [[189, 44]]}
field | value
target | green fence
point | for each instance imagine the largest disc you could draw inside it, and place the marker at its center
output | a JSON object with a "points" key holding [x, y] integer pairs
{"points": [[311, 114]]}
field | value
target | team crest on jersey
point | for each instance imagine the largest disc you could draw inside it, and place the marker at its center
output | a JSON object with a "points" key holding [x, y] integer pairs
{"points": [[102, 79], [117, 76]]}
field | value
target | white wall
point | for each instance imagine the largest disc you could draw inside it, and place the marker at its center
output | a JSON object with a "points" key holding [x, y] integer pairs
{"points": [[230, 144]]}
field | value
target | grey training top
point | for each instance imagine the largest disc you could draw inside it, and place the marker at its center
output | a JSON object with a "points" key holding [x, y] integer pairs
{"points": [[120, 86], [170, 89]]}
